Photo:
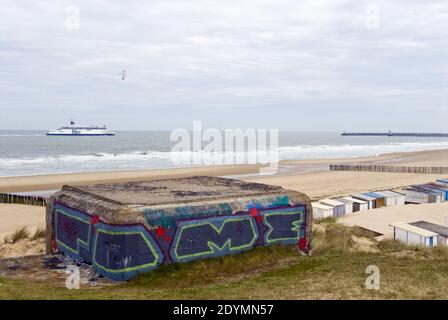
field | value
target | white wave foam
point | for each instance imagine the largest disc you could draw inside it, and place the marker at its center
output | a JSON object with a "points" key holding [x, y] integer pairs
{"points": [[334, 151], [164, 159]]}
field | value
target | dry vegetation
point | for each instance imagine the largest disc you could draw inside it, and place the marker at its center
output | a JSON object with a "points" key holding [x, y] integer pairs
{"points": [[24, 234], [336, 270]]}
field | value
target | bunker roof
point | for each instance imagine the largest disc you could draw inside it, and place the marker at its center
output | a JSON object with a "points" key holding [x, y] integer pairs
{"points": [[171, 191]]}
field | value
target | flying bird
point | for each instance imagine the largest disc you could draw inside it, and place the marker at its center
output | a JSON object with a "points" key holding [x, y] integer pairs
{"points": [[123, 75]]}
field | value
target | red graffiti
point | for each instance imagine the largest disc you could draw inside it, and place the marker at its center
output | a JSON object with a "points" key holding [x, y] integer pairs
{"points": [[95, 219], [160, 231], [302, 244], [253, 212], [256, 214]]}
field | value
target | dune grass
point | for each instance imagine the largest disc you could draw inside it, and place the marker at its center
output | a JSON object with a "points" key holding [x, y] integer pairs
{"points": [[38, 234], [23, 233], [17, 235]]}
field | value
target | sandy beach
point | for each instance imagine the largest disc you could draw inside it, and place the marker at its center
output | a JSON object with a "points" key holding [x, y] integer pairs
{"points": [[15, 216], [309, 176]]}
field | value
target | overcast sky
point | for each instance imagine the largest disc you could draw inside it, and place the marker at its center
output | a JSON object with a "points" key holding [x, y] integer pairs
{"points": [[288, 64]]}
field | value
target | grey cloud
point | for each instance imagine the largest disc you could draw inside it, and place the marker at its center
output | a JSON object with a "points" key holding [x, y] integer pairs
{"points": [[201, 58]]}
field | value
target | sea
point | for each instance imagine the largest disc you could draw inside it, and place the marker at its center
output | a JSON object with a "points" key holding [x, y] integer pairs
{"points": [[25, 153]]}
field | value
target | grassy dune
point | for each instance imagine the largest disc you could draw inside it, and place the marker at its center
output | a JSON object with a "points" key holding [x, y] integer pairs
{"points": [[336, 270]]}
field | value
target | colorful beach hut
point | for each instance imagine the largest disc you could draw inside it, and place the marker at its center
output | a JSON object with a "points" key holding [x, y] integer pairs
{"points": [[380, 201], [371, 201], [392, 198]]}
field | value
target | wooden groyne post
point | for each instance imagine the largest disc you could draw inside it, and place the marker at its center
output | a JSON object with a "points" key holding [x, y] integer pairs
{"points": [[386, 168], [23, 199]]}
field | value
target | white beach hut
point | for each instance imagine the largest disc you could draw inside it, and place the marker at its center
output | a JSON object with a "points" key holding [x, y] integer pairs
{"points": [[358, 205], [348, 204], [338, 206], [392, 198], [321, 211], [413, 235], [442, 231], [389, 198], [418, 196], [400, 198]]}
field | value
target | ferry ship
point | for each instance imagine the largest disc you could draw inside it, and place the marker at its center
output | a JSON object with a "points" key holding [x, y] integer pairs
{"points": [[74, 130]]}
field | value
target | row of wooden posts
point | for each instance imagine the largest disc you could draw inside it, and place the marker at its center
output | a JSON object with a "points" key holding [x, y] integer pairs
{"points": [[381, 168], [23, 199]]}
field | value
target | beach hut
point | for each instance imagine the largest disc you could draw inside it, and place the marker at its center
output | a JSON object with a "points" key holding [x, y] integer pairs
{"points": [[442, 231], [358, 204], [321, 211], [400, 199], [418, 196], [389, 198], [348, 204], [442, 182], [437, 187], [371, 201], [392, 198], [439, 193], [338, 206], [380, 200], [123, 229], [413, 235]]}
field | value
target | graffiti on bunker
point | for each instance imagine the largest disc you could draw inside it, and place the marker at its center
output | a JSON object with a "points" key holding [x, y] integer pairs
{"points": [[122, 251]]}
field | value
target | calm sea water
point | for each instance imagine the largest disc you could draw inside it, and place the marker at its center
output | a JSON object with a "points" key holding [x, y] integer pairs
{"points": [[32, 152]]}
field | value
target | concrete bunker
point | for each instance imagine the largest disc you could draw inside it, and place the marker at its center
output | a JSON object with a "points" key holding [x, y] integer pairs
{"points": [[123, 229]]}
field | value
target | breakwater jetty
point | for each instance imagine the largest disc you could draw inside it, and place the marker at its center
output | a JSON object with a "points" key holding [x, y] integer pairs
{"points": [[395, 134]]}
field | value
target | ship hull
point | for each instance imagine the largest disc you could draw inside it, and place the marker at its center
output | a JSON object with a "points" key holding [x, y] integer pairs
{"points": [[81, 134]]}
